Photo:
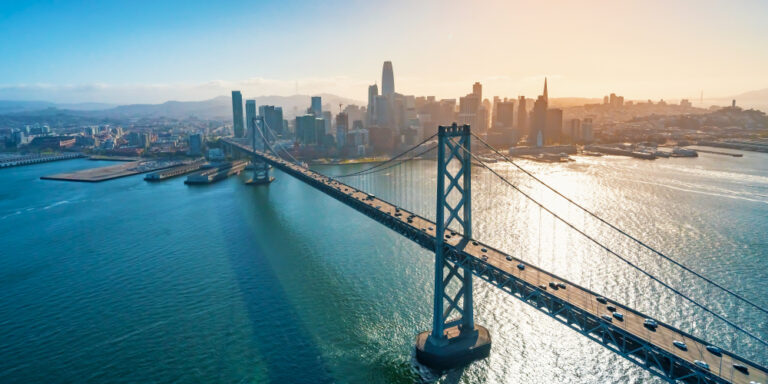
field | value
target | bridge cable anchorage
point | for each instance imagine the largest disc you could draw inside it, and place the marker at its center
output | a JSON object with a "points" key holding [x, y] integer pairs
{"points": [[390, 160], [636, 240], [625, 260]]}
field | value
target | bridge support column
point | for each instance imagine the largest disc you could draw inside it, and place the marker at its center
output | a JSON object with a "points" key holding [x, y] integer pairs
{"points": [[455, 340], [260, 168]]}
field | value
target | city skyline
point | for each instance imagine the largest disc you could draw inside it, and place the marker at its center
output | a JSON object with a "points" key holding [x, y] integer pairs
{"points": [[502, 45]]}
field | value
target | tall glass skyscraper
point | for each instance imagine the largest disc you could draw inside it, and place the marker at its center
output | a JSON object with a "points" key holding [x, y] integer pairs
{"points": [[273, 117], [373, 91], [237, 113], [387, 80], [250, 114], [317, 106]]}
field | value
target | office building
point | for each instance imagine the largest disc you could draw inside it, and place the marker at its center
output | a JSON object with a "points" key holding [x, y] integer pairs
{"points": [[373, 91], [383, 107], [387, 80], [316, 107], [505, 114], [306, 130], [477, 90], [195, 144], [250, 116], [574, 130], [237, 113], [273, 118], [554, 126], [538, 122], [586, 131], [342, 129]]}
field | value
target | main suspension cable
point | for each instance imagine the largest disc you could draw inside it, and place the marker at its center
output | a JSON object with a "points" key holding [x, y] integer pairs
{"points": [[636, 267], [614, 227]]}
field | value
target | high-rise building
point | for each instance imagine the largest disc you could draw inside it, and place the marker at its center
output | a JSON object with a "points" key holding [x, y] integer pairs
{"points": [[477, 90], [574, 130], [554, 128], [373, 91], [327, 121], [505, 114], [586, 131], [342, 129], [468, 107], [383, 109], [250, 115], [538, 122], [273, 118], [195, 144], [387, 79], [307, 129], [237, 113], [317, 106], [522, 115]]}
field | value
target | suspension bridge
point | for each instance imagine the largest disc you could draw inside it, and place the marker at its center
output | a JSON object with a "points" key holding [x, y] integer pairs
{"points": [[444, 226]]}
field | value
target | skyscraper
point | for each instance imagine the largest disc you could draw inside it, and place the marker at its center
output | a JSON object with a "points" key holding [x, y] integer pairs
{"points": [[250, 114], [538, 122], [387, 80], [342, 129], [195, 144], [383, 117], [273, 118], [373, 91], [554, 127], [505, 112], [477, 90], [237, 113], [522, 115], [317, 106]]}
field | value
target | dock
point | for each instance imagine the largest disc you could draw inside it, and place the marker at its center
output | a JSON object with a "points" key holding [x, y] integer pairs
{"points": [[720, 153], [113, 158], [95, 175], [620, 152], [16, 161], [219, 172], [174, 171]]}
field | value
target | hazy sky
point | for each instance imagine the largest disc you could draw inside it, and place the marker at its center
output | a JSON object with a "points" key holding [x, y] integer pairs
{"points": [[152, 51]]}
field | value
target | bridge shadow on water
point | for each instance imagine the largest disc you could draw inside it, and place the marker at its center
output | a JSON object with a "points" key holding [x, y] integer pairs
{"points": [[279, 329], [276, 325]]}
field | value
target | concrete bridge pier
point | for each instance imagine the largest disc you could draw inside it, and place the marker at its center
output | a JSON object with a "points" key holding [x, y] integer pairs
{"points": [[455, 340], [260, 168]]}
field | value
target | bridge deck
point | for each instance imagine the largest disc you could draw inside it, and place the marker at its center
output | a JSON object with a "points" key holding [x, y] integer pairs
{"points": [[574, 306]]}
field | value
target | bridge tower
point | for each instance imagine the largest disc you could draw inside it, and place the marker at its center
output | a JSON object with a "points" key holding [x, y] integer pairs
{"points": [[455, 339], [260, 168]]}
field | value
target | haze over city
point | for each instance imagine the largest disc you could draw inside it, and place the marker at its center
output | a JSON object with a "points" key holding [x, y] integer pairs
{"points": [[149, 52]]}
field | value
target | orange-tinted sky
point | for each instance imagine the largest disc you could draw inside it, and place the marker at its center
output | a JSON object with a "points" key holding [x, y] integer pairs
{"points": [[149, 52]]}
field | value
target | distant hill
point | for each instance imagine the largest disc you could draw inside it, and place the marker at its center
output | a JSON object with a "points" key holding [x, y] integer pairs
{"points": [[757, 99], [216, 108], [14, 106]]}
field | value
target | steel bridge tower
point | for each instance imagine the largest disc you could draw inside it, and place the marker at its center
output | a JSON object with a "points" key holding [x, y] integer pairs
{"points": [[260, 168], [455, 339]]}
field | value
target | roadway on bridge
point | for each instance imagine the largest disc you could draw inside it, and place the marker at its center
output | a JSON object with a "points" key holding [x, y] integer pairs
{"points": [[663, 336]]}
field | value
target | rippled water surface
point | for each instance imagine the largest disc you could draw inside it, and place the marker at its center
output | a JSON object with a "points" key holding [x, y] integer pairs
{"points": [[129, 281]]}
